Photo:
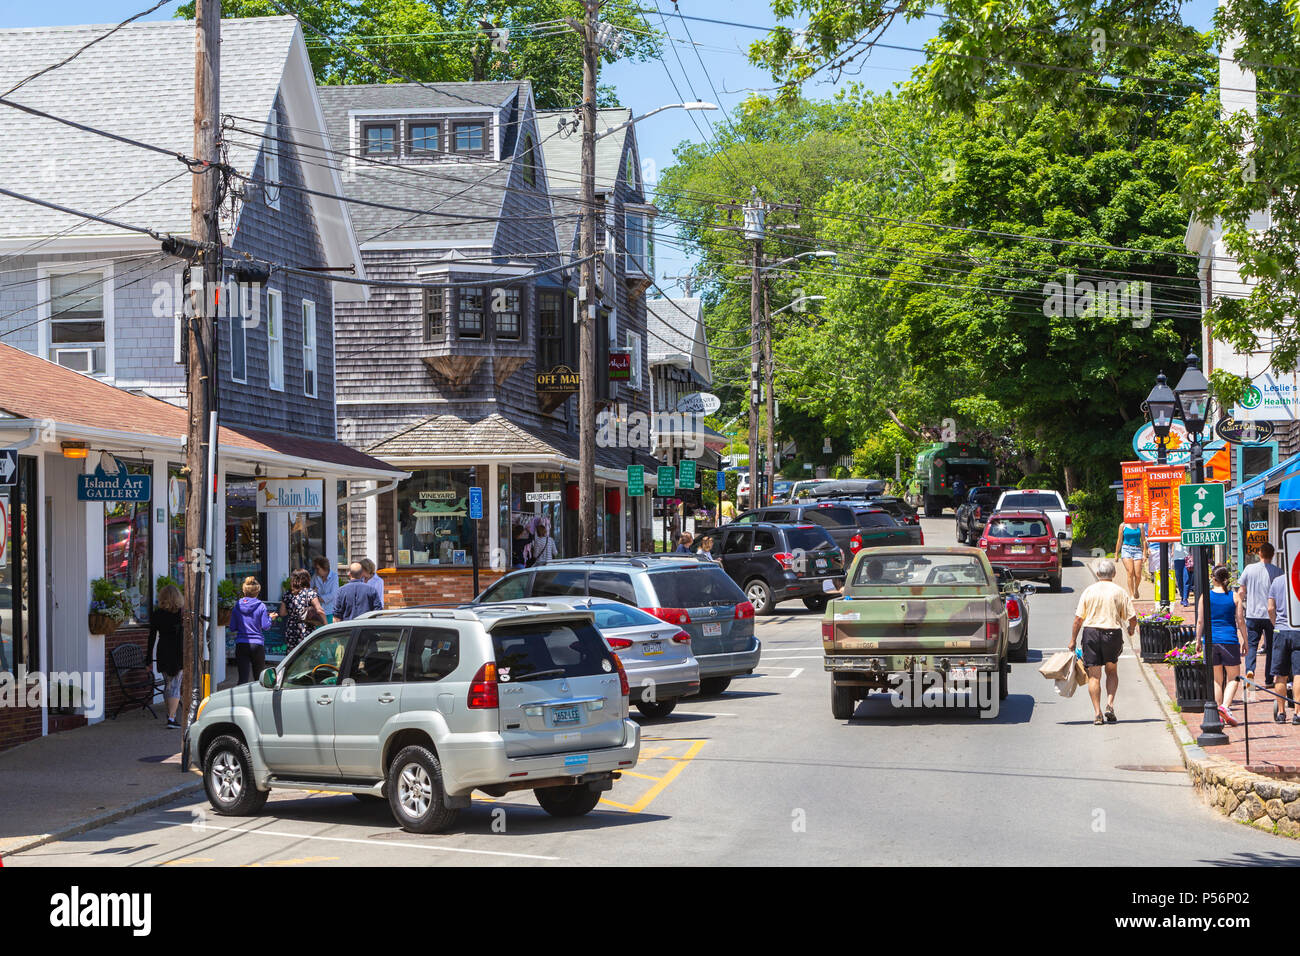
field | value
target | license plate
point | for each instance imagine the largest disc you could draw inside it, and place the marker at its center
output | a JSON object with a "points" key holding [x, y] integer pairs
{"points": [[962, 675], [713, 630], [1019, 549], [566, 715], [651, 648], [828, 585], [821, 564]]}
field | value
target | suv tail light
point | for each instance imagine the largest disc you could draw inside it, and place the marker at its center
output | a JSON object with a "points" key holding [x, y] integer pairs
{"points": [[673, 615], [991, 630], [1069, 519], [483, 689], [855, 543], [1013, 610], [785, 559], [984, 542], [681, 637], [1054, 545], [618, 643], [622, 676], [744, 611]]}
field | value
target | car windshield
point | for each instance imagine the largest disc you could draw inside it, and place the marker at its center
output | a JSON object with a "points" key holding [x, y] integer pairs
{"points": [[1034, 500], [551, 649], [702, 586], [619, 615], [906, 570], [808, 539], [1017, 528]]}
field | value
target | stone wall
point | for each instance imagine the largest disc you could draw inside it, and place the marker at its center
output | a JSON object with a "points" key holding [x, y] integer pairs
{"points": [[1263, 802], [415, 587]]}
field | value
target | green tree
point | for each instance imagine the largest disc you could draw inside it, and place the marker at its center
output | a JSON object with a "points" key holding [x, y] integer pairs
{"points": [[442, 41]]}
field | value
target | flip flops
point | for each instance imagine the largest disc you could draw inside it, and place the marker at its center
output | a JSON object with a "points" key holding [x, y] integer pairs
{"points": [[1110, 716], [1098, 721]]}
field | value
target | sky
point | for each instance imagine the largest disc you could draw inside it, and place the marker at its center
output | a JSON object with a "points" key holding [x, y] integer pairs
{"points": [[701, 61]]}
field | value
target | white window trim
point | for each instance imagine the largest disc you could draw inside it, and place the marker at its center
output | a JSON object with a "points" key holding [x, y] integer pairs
{"points": [[275, 309], [44, 329], [237, 327], [633, 345], [309, 309], [271, 162]]}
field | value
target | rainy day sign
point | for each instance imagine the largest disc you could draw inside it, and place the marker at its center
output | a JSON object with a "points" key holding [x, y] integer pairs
{"points": [[1204, 517]]}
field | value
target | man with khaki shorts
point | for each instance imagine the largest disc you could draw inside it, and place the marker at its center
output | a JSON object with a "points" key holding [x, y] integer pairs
{"points": [[1105, 611]]}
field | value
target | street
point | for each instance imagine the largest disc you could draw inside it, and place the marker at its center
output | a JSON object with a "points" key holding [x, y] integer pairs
{"points": [[764, 775]]}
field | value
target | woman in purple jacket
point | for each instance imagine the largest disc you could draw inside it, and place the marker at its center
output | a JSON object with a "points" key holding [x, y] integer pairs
{"points": [[248, 619]]}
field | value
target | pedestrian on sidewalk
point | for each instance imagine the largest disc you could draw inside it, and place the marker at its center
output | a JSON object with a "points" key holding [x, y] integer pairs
{"points": [[1252, 592], [249, 621], [1130, 542], [1227, 639], [1104, 613], [325, 582], [356, 597], [1285, 646], [167, 646], [299, 607], [373, 579]]}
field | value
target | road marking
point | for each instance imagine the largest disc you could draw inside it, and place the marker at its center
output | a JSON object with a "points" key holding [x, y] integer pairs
{"points": [[797, 671], [679, 764], [697, 713], [803, 657], [303, 859], [810, 647], [331, 839], [188, 859]]}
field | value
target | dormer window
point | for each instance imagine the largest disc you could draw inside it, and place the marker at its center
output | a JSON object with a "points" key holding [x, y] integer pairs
{"points": [[424, 138], [468, 137], [379, 139]]}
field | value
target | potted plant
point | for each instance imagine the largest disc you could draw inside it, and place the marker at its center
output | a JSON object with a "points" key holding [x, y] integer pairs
{"points": [[109, 607], [1189, 675], [165, 579], [227, 596], [1156, 635]]}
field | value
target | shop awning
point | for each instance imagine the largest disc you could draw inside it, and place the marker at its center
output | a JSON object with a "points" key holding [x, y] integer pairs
{"points": [[1284, 473], [66, 405]]}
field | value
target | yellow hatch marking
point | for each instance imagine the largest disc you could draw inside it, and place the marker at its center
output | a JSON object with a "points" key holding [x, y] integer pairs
{"points": [[662, 782], [188, 859], [304, 859]]}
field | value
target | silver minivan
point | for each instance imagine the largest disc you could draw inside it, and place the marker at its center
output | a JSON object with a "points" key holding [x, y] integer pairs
{"points": [[424, 706]]}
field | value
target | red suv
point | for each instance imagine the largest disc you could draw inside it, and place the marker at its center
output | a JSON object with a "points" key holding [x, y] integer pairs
{"points": [[1024, 543]]}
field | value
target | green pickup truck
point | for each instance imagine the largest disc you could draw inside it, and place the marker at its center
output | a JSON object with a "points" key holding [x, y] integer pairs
{"points": [[915, 615]]}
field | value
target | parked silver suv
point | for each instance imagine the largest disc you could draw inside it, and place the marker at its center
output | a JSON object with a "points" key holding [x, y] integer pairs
{"points": [[424, 706]]}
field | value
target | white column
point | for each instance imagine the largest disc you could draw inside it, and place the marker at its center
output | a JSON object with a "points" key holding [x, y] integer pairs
{"points": [[372, 522], [331, 520], [493, 503], [277, 551], [218, 649], [93, 662], [44, 557], [157, 525]]}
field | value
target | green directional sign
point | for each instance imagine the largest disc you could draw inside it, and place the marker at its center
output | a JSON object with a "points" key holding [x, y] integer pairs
{"points": [[666, 483], [635, 480], [1202, 515], [686, 474]]}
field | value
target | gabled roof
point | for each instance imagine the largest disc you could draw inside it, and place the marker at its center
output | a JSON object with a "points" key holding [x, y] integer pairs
{"points": [[675, 334], [456, 186], [139, 83], [563, 160]]}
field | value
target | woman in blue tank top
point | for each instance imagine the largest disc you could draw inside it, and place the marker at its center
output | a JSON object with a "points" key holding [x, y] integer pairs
{"points": [[1129, 544], [1227, 640]]}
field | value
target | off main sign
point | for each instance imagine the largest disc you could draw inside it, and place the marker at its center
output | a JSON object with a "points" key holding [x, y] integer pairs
{"points": [[1204, 518]]}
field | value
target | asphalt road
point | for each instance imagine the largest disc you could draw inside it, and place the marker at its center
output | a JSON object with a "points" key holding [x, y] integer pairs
{"points": [[765, 775]]}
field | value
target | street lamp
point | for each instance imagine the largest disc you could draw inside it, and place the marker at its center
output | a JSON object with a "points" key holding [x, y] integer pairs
{"points": [[816, 253], [1193, 394], [695, 105], [1161, 403], [799, 301]]}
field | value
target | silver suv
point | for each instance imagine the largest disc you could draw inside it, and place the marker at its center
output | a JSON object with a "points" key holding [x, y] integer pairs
{"points": [[424, 706]]}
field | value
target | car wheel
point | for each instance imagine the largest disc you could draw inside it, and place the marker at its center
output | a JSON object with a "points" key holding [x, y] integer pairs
{"points": [[713, 686], [815, 603], [933, 507], [843, 703], [1021, 654], [415, 792], [572, 801], [656, 708], [1054, 582], [1067, 558], [760, 596], [1004, 680], [228, 778]]}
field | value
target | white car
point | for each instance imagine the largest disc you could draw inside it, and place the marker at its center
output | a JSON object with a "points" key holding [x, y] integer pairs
{"points": [[1051, 503], [742, 489]]}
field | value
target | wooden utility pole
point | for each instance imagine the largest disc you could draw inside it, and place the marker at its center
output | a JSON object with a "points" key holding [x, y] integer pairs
{"points": [[754, 212], [588, 299], [769, 427], [200, 371]]}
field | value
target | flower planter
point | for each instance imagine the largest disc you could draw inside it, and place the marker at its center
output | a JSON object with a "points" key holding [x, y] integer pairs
{"points": [[1189, 681], [1154, 640], [101, 624], [223, 616]]}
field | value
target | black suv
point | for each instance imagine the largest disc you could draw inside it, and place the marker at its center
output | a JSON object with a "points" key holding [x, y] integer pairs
{"points": [[837, 518], [779, 562], [973, 513]]}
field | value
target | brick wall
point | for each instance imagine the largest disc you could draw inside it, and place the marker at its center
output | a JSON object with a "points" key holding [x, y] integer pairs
{"points": [[411, 588], [19, 725], [123, 635]]}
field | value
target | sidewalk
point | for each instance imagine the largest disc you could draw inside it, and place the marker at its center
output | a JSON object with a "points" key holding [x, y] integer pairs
{"points": [[66, 783]]}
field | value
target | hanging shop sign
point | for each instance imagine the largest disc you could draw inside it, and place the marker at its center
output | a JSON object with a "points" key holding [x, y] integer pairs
{"points": [[1178, 446], [122, 486], [699, 403], [560, 380], [290, 494], [1269, 399], [1240, 432], [1134, 494], [1163, 482], [620, 366], [543, 497]]}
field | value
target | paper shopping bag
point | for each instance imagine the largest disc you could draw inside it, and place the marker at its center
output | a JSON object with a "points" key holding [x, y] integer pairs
{"points": [[1058, 665]]}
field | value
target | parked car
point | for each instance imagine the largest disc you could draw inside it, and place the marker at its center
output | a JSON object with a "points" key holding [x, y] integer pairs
{"points": [[973, 513], [877, 528], [847, 488], [656, 655], [904, 610], [743, 489], [776, 562], [423, 707], [1024, 543], [1051, 503], [781, 491], [689, 591], [835, 516], [903, 512]]}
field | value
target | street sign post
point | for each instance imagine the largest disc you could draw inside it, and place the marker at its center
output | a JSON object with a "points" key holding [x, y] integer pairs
{"points": [[1203, 517], [686, 474], [666, 482], [722, 480], [635, 480], [476, 503], [8, 466]]}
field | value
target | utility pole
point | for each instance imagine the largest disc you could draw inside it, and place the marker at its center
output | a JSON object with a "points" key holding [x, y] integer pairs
{"points": [[200, 371], [755, 212], [769, 449], [587, 297]]}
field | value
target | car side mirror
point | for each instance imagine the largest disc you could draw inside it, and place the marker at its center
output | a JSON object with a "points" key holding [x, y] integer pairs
{"points": [[1028, 589], [267, 679]]}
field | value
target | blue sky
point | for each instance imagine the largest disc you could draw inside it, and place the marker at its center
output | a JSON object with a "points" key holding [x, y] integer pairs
{"points": [[713, 68]]}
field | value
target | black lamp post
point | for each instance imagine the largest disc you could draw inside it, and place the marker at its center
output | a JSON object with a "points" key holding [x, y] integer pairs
{"points": [[1193, 392], [1162, 403]]}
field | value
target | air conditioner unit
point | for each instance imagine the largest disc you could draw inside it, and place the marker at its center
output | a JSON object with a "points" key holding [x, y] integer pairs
{"points": [[79, 360]]}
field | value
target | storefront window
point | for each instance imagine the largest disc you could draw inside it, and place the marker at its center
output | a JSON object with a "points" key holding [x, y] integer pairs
{"points": [[342, 554], [17, 559], [127, 550], [433, 525], [1255, 460], [176, 489], [505, 558], [245, 553], [306, 538]]}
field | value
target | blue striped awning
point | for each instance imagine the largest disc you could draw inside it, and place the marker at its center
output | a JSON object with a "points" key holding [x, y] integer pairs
{"points": [[1285, 475]]}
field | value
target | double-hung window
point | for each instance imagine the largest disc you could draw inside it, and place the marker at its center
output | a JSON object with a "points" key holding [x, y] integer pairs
{"points": [[550, 330], [635, 241], [309, 348], [505, 308], [435, 315], [238, 342], [634, 347], [469, 319], [78, 338], [275, 339], [271, 164]]}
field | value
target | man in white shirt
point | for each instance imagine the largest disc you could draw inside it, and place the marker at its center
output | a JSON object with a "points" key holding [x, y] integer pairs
{"points": [[1252, 595], [1284, 659], [1104, 613]]}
